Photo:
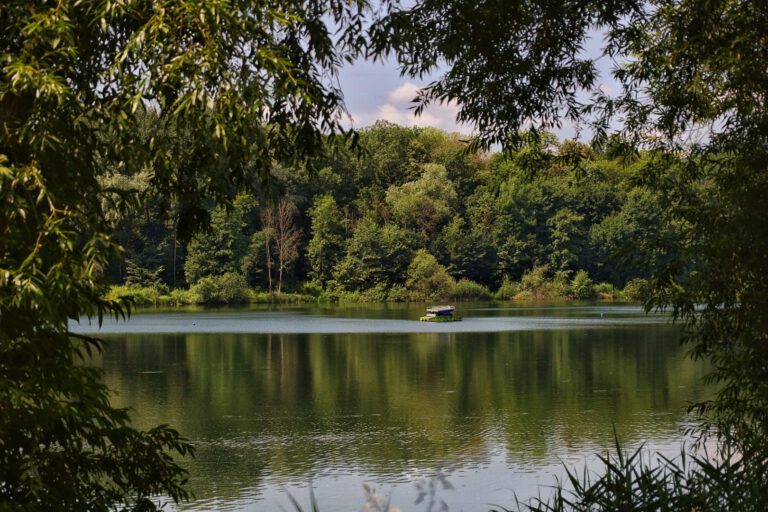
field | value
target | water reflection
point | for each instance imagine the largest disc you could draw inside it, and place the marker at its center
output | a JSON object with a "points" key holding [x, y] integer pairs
{"points": [[498, 411], [367, 319]]}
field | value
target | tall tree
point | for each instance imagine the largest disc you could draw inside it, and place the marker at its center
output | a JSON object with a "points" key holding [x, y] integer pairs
{"points": [[566, 232], [427, 279], [286, 239], [223, 247], [268, 232], [466, 252], [326, 246], [376, 256], [391, 156], [424, 204]]}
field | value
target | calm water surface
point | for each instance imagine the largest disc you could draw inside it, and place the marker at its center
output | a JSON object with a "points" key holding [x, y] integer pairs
{"points": [[277, 398]]}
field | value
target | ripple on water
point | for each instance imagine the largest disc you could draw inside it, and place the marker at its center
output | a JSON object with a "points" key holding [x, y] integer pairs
{"points": [[495, 414], [299, 322]]}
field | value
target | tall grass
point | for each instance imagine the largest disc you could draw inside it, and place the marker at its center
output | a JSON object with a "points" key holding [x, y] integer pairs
{"points": [[464, 289], [641, 481], [629, 481], [138, 295]]}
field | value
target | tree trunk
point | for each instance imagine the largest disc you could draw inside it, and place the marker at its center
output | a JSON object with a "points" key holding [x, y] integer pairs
{"points": [[268, 227], [287, 239]]}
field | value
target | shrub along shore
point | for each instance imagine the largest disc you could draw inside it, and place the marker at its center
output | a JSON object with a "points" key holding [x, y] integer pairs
{"points": [[535, 285]]}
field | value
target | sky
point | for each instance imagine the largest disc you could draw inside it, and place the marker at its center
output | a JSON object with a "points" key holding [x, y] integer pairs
{"points": [[376, 91]]}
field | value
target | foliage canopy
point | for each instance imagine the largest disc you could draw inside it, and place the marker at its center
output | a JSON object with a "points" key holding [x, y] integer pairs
{"points": [[242, 85], [235, 86], [692, 84]]}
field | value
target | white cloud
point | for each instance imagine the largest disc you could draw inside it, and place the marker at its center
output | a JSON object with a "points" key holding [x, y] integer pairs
{"points": [[405, 93], [397, 109]]}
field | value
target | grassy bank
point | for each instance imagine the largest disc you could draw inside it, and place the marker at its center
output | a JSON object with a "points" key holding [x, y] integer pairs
{"points": [[151, 296], [535, 285]]}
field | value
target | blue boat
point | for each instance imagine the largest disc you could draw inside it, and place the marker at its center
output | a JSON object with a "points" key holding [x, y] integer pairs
{"points": [[440, 314]]}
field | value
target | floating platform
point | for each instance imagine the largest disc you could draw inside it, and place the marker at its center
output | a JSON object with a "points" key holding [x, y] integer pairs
{"points": [[440, 314]]}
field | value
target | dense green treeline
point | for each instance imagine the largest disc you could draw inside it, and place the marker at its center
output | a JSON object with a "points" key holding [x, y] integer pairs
{"points": [[407, 215]]}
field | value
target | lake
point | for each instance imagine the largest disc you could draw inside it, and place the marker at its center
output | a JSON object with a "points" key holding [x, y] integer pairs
{"points": [[278, 399]]}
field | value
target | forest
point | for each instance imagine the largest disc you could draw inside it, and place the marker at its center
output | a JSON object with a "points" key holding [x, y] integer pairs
{"points": [[407, 214]]}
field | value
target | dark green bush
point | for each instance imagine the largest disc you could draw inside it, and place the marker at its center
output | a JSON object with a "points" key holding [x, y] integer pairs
{"points": [[428, 279], [397, 293], [377, 293], [229, 288], [536, 285], [582, 287], [606, 291], [637, 289], [508, 289], [137, 295], [464, 289]]}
